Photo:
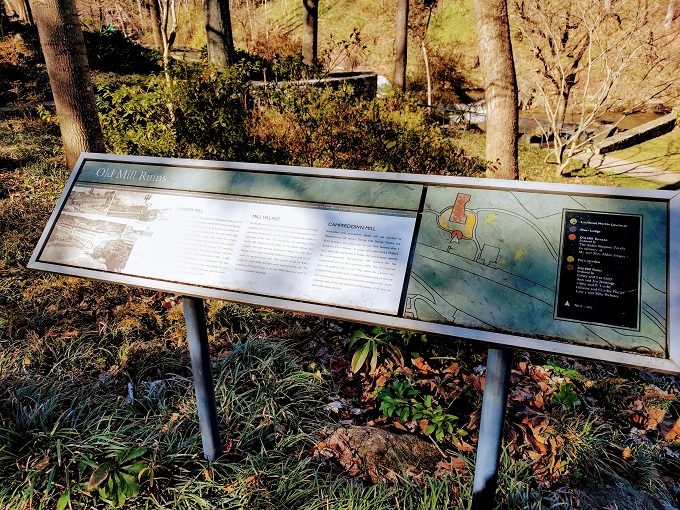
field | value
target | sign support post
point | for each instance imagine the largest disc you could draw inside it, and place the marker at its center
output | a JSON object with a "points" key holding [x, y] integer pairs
{"points": [[498, 364], [194, 318]]}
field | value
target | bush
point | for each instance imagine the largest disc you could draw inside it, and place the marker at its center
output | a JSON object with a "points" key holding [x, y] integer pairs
{"points": [[216, 114], [193, 113], [111, 50], [23, 79], [327, 128]]}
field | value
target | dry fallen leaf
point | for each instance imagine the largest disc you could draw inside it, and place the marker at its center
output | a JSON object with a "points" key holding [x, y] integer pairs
{"points": [[452, 369], [453, 464], [655, 416], [627, 453], [674, 433], [235, 485], [538, 400], [422, 365], [462, 445]]}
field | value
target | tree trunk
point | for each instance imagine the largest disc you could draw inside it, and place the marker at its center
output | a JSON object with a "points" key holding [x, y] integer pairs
{"points": [[218, 31], [310, 31], [670, 16], [3, 18], [143, 14], [61, 40], [28, 13], [500, 84], [428, 75], [401, 46], [155, 17]]}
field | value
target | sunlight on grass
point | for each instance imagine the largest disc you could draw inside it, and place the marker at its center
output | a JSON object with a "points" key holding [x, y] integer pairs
{"points": [[533, 167], [662, 152]]}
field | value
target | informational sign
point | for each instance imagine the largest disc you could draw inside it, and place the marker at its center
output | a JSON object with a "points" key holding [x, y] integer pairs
{"points": [[583, 271], [502, 260]]}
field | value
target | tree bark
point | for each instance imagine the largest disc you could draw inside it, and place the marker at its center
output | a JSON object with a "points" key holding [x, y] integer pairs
{"points": [[500, 85], [218, 31], [428, 75], [401, 46], [310, 31], [61, 40], [3, 18], [155, 17]]}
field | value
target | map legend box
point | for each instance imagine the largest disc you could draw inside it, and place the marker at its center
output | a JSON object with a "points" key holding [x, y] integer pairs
{"points": [[599, 273]]}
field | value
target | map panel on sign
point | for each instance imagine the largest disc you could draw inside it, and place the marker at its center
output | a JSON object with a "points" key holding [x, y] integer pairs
{"points": [[490, 259]]}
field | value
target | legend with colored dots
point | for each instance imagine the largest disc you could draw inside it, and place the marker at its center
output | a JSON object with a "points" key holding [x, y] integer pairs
{"points": [[599, 269]]}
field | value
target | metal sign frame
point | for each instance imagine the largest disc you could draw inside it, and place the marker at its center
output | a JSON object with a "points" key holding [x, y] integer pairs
{"points": [[670, 364]]}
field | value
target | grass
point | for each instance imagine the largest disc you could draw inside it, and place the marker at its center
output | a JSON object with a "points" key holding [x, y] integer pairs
{"points": [[662, 152], [533, 166]]}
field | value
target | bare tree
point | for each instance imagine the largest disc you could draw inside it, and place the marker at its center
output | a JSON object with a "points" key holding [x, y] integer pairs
{"points": [[310, 31], [592, 61], [218, 31], [168, 28], [401, 45], [20, 10], [61, 40], [670, 15], [500, 85], [419, 24]]}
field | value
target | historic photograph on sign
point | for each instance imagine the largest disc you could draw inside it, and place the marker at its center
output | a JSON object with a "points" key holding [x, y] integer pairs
{"points": [[98, 228]]}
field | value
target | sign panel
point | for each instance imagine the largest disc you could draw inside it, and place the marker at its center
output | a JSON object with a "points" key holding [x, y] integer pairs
{"points": [[345, 256], [576, 270]]}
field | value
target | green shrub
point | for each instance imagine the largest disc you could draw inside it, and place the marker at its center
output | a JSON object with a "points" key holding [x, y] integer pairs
{"points": [[404, 401], [332, 128], [194, 113], [219, 115]]}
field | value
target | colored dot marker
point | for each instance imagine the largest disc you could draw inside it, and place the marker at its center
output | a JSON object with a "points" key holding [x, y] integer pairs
{"points": [[572, 237], [570, 259], [573, 221], [570, 267]]}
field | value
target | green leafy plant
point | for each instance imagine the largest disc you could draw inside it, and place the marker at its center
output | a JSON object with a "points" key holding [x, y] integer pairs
{"points": [[117, 478], [367, 346], [566, 397], [397, 399], [402, 400], [439, 422], [562, 371]]}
